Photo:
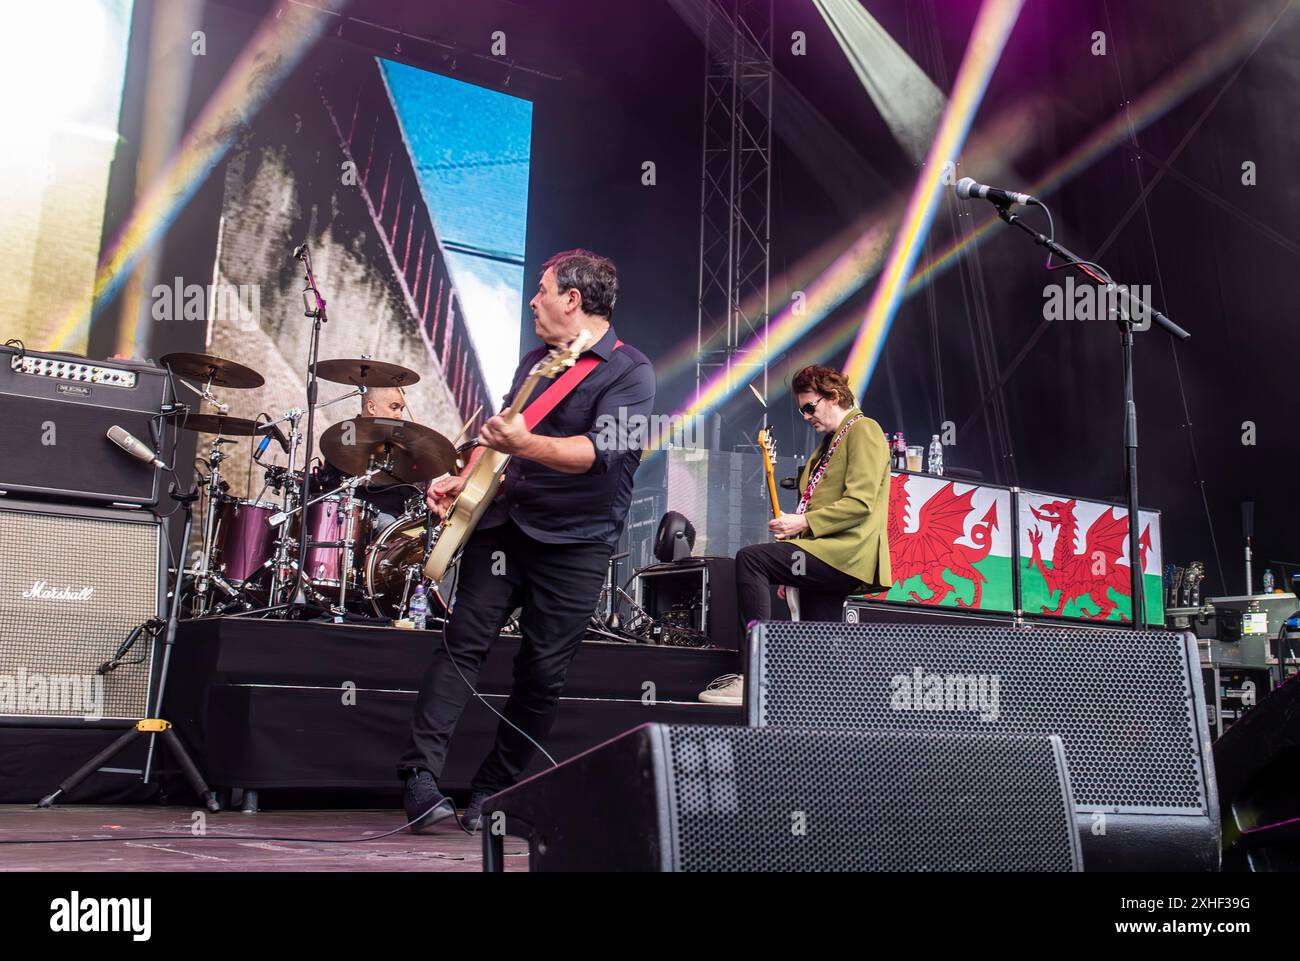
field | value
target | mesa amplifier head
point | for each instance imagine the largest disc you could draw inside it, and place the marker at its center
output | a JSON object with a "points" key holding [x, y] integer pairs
{"points": [[58, 409], [74, 583]]}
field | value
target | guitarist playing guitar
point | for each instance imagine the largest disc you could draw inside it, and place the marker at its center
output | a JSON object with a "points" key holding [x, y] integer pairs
{"points": [[544, 542], [836, 541]]}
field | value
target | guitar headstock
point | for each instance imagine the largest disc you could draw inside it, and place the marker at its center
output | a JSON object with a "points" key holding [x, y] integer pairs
{"points": [[767, 444], [1195, 574], [560, 359]]}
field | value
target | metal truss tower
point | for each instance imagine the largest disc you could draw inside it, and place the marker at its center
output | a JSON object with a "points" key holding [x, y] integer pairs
{"points": [[735, 194]]}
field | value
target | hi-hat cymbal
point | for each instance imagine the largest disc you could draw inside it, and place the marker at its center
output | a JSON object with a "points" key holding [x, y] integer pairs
{"points": [[218, 370], [364, 371], [418, 453], [221, 424]]}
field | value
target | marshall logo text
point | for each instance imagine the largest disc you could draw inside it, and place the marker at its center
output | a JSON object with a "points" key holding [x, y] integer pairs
{"points": [[40, 591]]}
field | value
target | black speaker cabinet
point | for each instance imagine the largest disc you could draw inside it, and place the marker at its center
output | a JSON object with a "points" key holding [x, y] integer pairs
{"points": [[74, 582], [666, 797], [1257, 763], [1127, 705]]}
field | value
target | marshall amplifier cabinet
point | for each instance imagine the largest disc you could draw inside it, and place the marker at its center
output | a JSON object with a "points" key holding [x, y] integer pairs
{"points": [[58, 409], [74, 582]]}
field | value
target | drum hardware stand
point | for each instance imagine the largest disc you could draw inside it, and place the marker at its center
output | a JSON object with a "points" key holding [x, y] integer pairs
{"points": [[359, 391], [203, 574], [206, 394], [606, 604], [352, 483], [300, 600], [154, 724], [281, 564], [346, 567]]}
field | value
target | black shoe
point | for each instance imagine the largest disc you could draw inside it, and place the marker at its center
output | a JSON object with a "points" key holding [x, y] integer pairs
{"points": [[425, 804], [472, 817]]}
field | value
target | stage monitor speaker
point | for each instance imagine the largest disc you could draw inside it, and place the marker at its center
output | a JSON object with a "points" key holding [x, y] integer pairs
{"points": [[667, 797], [1257, 764], [74, 582], [1128, 706], [58, 409]]}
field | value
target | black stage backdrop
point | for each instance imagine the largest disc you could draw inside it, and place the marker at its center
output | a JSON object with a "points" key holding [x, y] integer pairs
{"points": [[1167, 202]]}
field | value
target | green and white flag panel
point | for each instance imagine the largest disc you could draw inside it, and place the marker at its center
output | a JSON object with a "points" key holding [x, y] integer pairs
{"points": [[1081, 565], [950, 544]]}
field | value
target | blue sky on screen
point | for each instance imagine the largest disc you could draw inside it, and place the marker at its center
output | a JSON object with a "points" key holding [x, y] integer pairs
{"points": [[471, 147]]}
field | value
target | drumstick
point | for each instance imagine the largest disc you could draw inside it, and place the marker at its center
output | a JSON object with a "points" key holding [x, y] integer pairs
{"points": [[406, 406], [464, 430]]}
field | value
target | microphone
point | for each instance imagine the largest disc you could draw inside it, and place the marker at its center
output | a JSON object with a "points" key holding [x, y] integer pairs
{"points": [[967, 188], [133, 446]]}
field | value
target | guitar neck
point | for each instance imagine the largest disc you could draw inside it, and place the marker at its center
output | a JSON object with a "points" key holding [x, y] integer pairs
{"points": [[771, 490]]}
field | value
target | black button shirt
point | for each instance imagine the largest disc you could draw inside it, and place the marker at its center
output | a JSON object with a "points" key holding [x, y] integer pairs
{"points": [[611, 406]]}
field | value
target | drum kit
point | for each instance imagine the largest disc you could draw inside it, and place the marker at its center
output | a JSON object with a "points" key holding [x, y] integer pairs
{"points": [[273, 552]]}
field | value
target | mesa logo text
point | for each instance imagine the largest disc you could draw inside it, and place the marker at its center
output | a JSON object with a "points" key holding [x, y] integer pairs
{"points": [[78, 915]]}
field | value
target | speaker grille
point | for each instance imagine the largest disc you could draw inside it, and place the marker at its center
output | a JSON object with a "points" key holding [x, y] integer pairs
{"points": [[99, 578], [1121, 701], [749, 799]]}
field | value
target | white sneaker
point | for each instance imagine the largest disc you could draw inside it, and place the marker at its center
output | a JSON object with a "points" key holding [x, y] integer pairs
{"points": [[728, 689]]}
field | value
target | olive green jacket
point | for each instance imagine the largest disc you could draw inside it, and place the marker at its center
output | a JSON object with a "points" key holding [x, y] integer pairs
{"points": [[848, 513]]}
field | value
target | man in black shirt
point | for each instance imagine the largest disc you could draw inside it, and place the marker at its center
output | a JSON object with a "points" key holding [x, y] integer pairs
{"points": [[544, 543]]}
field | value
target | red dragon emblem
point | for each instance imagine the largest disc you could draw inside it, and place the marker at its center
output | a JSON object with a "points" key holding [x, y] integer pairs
{"points": [[1094, 572], [932, 548]]}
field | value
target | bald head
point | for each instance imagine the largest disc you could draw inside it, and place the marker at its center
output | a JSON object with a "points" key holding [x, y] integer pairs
{"points": [[384, 402]]}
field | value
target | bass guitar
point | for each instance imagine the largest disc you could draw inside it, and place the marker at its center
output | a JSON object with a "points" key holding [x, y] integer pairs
{"points": [[484, 480]]}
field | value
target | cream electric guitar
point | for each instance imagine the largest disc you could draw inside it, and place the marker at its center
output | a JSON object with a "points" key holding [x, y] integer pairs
{"points": [[482, 483], [767, 445]]}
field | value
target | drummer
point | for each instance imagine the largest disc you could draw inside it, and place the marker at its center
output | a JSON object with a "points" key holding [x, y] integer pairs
{"points": [[380, 492]]}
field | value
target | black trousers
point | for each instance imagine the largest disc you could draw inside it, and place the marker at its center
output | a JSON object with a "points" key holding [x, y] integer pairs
{"points": [[822, 588], [501, 569]]}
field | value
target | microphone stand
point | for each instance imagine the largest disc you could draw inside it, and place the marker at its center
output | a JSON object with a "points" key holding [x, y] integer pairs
{"points": [[1125, 322], [318, 318]]}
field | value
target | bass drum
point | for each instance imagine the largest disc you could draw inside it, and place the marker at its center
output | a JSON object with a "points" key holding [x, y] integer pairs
{"points": [[395, 565]]}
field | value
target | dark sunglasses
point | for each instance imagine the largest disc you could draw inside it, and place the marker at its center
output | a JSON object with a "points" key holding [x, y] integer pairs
{"points": [[808, 409]]}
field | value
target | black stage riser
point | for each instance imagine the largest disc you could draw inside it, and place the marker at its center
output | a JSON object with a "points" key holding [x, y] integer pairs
{"points": [[262, 703]]}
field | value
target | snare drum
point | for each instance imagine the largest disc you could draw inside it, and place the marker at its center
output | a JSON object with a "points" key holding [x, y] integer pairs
{"points": [[245, 540], [327, 539]]}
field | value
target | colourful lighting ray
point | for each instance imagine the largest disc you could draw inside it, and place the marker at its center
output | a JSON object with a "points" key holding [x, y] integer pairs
{"points": [[846, 274], [993, 26], [273, 52], [1203, 66]]}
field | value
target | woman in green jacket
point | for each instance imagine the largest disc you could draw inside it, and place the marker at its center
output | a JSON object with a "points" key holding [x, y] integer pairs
{"points": [[835, 544]]}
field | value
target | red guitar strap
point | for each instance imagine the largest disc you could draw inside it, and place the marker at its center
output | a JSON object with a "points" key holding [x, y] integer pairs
{"points": [[561, 389]]}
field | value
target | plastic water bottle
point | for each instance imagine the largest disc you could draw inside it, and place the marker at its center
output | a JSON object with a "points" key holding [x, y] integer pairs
{"points": [[1268, 580], [419, 612], [935, 461]]}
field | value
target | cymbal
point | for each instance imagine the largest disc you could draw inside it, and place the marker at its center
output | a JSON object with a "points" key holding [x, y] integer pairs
{"points": [[221, 424], [364, 371], [222, 372], [418, 453]]}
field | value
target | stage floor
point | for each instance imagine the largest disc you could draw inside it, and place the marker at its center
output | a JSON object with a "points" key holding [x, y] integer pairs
{"points": [[446, 848]]}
